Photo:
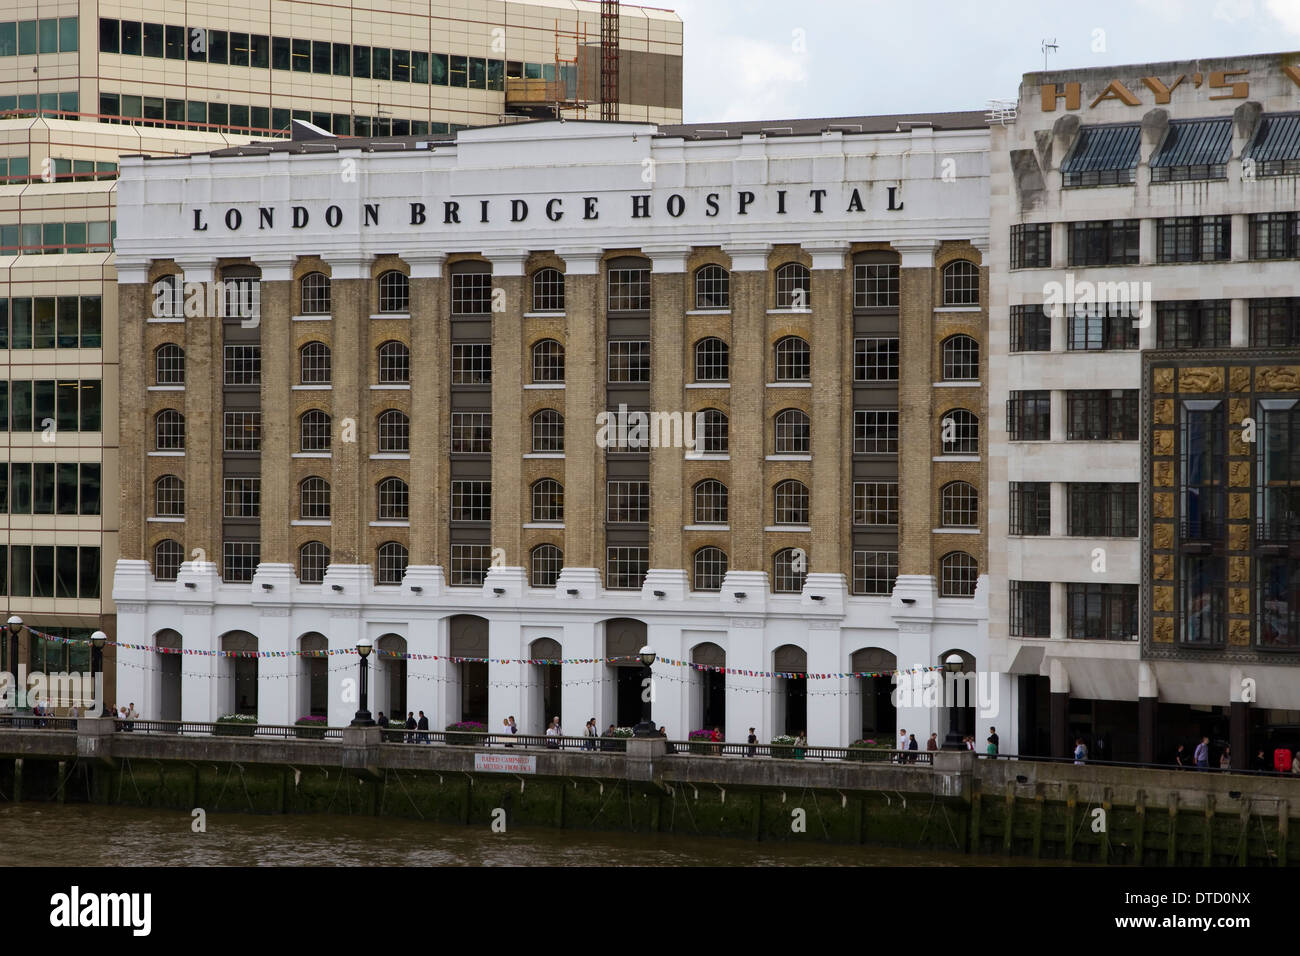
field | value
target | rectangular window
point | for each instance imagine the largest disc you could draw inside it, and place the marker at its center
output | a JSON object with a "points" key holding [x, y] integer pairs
{"points": [[471, 364], [439, 73], [1202, 605], [471, 293], [875, 360], [875, 285], [1031, 609], [281, 54], [174, 42], [49, 36], [20, 488], [322, 59], [42, 571], [1273, 235], [1100, 509], [65, 572], [241, 497], [469, 564], [629, 361], [874, 572], [239, 560], [44, 322], [1029, 416], [239, 49], [1194, 239], [88, 573], [1102, 328], [243, 365], [1278, 619], [381, 63], [1103, 243], [109, 36], [301, 55], [471, 433], [1275, 322], [471, 501], [43, 403], [341, 54], [627, 502], [91, 404], [458, 71], [1101, 414], [1030, 511], [629, 290], [4, 490], [67, 401], [20, 406], [90, 488], [1031, 246], [1193, 324], [1031, 329], [1202, 460], [43, 488], [68, 41], [419, 67], [131, 36], [361, 61], [20, 314], [875, 503], [259, 51], [875, 431], [402, 66], [626, 567], [67, 310], [20, 573], [153, 39], [1102, 611], [243, 431]]}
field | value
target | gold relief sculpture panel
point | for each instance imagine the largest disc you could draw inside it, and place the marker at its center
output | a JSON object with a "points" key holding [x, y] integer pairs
{"points": [[1162, 536], [1163, 380], [1239, 474], [1164, 599], [1239, 633], [1164, 411], [1162, 567], [1164, 630], [1238, 600], [1238, 409], [1162, 442], [1239, 378], [1235, 444], [1200, 380], [1162, 474], [1277, 378], [1239, 570], [1239, 506], [1239, 537], [1162, 505]]}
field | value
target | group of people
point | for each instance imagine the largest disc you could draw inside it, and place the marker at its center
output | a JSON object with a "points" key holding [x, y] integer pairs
{"points": [[908, 742], [413, 726]]}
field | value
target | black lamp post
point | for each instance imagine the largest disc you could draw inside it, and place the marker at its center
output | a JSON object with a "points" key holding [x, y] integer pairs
{"points": [[97, 641], [363, 718], [14, 624], [647, 727], [953, 664]]}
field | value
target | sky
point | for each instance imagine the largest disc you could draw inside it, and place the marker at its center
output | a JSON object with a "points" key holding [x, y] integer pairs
{"points": [[785, 59]]}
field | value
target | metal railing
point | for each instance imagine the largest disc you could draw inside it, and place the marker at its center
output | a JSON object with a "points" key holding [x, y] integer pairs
{"points": [[32, 722], [194, 728], [1134, 764]]}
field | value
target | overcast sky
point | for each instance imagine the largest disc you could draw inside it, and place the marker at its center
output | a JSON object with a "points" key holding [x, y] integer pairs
{"points": [[783, 59]]}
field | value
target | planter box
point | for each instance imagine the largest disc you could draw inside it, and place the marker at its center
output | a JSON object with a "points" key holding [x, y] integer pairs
{"points": [[309, 733], [466, 739], [613, 744], [234, 730], [394, 735], [872, 754], [783, 751]]}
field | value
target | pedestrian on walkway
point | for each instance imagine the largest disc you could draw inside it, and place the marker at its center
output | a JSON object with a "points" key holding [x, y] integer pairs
{"points": [[753, 741], [410, 726], [993, 742], [912, 747], [1080, 751], [933, 742], [1225, 759], [1202, 754], [589, 732], [902, 746], [1180, 757], [423, 725]]}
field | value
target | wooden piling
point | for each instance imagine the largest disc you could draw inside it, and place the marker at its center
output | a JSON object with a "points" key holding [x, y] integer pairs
{"points": [[1171, 846], [1139, 828], [1071, 805], [1207, 849], [1008, 824], [1283, 817], [1039, 804]]}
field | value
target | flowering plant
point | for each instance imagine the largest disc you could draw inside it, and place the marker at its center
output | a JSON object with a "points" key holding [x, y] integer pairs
{"points": [[467, 727], [622, 732], [311, 719], [705, 734], [784, 740], [237, 719]]}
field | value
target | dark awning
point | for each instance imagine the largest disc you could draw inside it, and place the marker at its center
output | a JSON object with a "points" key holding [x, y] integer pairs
{"points": [[1202, 142], [1104, 147], [1278, 138]]}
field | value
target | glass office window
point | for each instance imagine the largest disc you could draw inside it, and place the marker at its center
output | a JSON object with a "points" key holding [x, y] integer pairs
{"points": [[281, 55], [361, 61], [381, 63], [9, 38], [153, 39], [174, 42], [259, 51], [48, 32], [131, 36]]}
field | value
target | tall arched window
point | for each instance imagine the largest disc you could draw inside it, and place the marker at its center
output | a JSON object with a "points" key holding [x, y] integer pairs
{"points": [[548, 500], [710, 496], [793, 363], [711, 432], [790, 503], [394, 432], [169, 497], [314, 499], [394, 500], [169, 365], [169, 297], [392, 563], [958, 574], [710, 567], [960, 505], [314, 364], [548, 290], [394, 364], [314, 431], [548, 362], [167, 556], [548, 431], [712, 288], [792, 433], [961, 283], [793, 287], [789, 569], [313, 559], [545, 563], [959, 433], [712, 360], [315, 298], [169, 430], [394, 292], [961, 359]]}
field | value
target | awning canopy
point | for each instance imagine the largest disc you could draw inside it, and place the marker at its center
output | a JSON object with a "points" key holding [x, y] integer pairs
{"points": [[1103, 156]]}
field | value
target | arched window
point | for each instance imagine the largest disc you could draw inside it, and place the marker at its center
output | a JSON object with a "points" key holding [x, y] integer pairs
{"points": [[548, 431], [710, 502], [313, 559], [169, 497], [710, 566], [394, 364], [712, 360], [711, 432], [790, 503], [793, 287], [548, 500], [958, 574], [315, 294], [394, 432], [792, 360], [314, 364], [961, 283], [793, 435], [960, 505], [167, 560], [314, 499], [242, 291], [548, 290], [961, 359], [169, 297], [960, 433], [394, 292], [394, 500], [712, 288], [545, 563], [314, 431], [548, 362], [789, 569], [169, 365], [169, 430], [392, 563]]}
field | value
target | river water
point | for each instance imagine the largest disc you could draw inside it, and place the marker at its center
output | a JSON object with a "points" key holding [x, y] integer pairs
{"points": [[87, 835]]}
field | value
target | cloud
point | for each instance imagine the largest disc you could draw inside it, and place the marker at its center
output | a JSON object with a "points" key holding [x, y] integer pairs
{"points": [[1286, 12], [743, 78]]}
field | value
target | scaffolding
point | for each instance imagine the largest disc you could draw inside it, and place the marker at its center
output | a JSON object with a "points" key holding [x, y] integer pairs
{"points": [[609, 60], [562, 95]]}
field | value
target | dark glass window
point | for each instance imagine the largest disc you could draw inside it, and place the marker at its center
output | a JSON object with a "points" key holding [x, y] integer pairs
{"points": [[1101, 328], [1273, 235], [130, 38], [1201, 470], [361, 61], [458, 71], [301, 55], [197, 43], [438, 70], [1275, 322], [1101, 414], [1031, 246], [239, 49], [281, 53], [1031, 609], [90, 488], [153, 39], [68, 492], [259, 51], [1102, 611], [1193, 324], [342, 56], [322, 60], [1194, 239], [109, 36], [1201, 599], [1103, 243], [402, 66], [1030, 510], [88, 573], [1031, 329], [218, 46], [477, 73], [66, 401], [1029, 416], [1100, 509], [67, 311], [419, 67], [91, 405], [174, 42], [381, 63], [43, 328]]}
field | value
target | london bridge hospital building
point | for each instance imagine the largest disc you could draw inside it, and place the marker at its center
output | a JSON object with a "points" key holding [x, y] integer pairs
{"points": [[416, 420]]}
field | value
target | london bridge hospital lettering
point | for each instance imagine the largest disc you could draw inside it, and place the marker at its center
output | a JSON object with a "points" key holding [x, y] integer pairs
{"points": [[815, 201]]}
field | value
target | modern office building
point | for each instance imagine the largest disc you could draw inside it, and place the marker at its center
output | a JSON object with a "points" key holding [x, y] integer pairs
{"points": [[418, 422], [82, 83], [1143, 343]]}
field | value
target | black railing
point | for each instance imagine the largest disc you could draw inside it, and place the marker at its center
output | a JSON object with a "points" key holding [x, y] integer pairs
{"points": [[1135, 764], [1281, 530], [32, 722]]}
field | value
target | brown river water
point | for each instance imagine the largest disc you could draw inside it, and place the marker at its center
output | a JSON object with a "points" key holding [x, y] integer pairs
{"points": [[87, 835]]}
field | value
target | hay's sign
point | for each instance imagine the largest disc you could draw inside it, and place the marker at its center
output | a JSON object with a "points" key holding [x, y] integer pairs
{"points": [[1228, 84]]}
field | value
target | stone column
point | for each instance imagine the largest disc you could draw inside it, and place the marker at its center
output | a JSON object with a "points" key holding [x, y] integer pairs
{"points": [[584, 399], [353, 433], [748, 429], [430, 401], [1060, 703], [1148, 710], [278, 426], [509, 429], [832, 341], [668, 506], [915, 321], [1239, 702]]}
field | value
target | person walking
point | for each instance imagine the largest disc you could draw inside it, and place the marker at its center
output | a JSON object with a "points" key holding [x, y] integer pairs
{"points": [[1261, 762], [589, 732], [410, 726], [716, 737], [505, 733], [1180, 757], [553, 734], [902, 746], [1080, 751], [753, 741], [912, 747], [800, 743], [993, 742], [1225, 759], [1202, 754], [933, 742], [1295, 763], [423, 725], [514, 728]]}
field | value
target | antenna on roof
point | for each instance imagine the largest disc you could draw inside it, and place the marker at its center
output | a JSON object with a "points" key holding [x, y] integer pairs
{"points": [[1049, 46]]}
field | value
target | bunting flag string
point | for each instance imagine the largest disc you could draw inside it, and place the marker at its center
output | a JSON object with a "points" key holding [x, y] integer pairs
{"points": [[389, 655]]}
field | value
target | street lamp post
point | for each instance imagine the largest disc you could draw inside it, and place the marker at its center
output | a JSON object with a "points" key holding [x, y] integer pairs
{"points": [[14, 625], [97, 641], [952, 664], [363, 718], [647, 727]]}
